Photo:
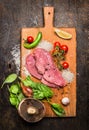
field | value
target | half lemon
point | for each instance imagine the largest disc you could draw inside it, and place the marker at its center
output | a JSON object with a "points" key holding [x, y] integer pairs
{"points": [[62, 34]]}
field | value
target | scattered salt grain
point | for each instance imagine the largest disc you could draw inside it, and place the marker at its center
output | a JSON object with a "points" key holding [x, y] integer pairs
{"points": [[25, 71], [68, 75], [15, 52], [45, 45]]}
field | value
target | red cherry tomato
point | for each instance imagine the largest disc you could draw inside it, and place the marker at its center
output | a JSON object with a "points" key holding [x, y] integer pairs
{"points": [[30, 39], [57, 44], [65, 65], [64, 48]]}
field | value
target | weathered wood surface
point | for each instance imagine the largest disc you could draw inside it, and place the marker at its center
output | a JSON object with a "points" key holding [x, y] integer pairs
{"points": [[17, 14]]}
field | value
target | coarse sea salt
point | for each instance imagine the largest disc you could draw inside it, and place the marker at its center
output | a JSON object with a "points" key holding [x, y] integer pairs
{"points": [[15, 52], [45, 45], [25, 71], [68, 75]]}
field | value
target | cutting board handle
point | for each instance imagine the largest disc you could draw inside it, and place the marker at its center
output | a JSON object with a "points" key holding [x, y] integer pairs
{"points": [[48, 16]]}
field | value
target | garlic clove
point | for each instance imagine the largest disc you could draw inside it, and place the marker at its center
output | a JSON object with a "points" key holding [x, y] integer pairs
{"points": [[65, 101]]}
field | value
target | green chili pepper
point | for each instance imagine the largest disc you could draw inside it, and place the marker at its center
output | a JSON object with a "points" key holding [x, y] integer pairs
{"points": [[35, 43]]}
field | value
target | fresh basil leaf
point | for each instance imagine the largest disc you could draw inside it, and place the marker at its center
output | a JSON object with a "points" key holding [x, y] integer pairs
{"points": [[14, 89], [57, 108], [13, 101], [17, 104], [11, 78], [57, 112], [40, 90], [20, 97]]}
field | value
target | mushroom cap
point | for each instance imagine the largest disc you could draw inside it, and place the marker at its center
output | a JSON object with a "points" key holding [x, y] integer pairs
{"points": [[27, 103]]}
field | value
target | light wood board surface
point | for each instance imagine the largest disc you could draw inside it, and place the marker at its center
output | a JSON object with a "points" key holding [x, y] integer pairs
{"points": [[49, 35]]}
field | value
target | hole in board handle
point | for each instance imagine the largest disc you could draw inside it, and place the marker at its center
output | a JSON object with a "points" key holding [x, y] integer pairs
{"points": [[49, 13]]}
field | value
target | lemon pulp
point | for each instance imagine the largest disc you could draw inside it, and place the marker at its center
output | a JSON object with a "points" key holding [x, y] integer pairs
{"points": [[63, 34]]}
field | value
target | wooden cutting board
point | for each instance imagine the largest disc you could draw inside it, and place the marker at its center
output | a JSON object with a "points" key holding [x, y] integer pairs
{"points": [[49, 35]]}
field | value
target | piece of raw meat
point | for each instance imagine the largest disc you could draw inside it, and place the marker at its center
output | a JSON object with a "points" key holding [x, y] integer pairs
{"points": [[54, 76], [43, 60], [48, 83], [41, 65], [30, 65]]}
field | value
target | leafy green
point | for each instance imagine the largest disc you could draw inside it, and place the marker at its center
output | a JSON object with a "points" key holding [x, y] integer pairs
{"points": [[16, 94], [11, 78], [40, 91], [14, 89], [13, 100], [20, 97], [57, 108]]}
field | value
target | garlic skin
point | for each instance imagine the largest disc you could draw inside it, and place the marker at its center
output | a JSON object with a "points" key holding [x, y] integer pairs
{"points": [[65, 101]]}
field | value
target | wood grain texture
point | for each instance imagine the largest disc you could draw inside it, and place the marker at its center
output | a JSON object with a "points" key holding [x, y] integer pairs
{"points": [[17, 14], [49, 35]]}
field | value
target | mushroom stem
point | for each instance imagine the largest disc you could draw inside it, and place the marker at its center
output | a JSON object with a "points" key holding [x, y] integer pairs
{"points": [[31, 110]]}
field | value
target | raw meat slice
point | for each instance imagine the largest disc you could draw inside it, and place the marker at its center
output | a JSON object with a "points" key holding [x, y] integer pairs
{"points": [[48, 83], [41, 65], [43, 60], [30, 65], [54, 76]]}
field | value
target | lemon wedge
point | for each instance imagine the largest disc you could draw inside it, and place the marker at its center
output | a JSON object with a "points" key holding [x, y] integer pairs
{"points": [[63, 34]]}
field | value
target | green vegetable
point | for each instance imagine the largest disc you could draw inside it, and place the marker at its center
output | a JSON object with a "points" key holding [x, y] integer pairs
{"points": [[57, 108], [14, 89], [35, 43], [16, 94], [11, 78], [40, 91], [14, 101], [20, 97]]}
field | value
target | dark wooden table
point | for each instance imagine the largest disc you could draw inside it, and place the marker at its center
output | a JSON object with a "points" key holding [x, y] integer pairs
{"points": [[16, 14]]}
